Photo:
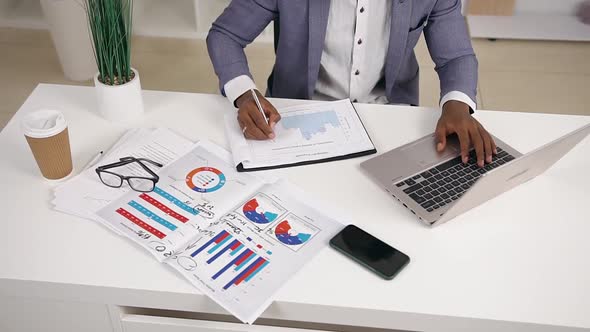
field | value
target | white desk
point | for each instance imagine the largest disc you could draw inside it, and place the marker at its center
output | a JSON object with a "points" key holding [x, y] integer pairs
{"points": [[518, 263]]}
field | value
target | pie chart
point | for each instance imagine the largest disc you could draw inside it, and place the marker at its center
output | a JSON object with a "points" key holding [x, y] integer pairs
{"points": [[259, 217], [286, 234]]}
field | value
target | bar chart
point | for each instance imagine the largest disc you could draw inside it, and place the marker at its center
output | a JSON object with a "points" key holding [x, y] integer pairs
{"points": [[248, 273], [164, 208], [177, 202], [151, 215], [137, 221], [218, 240], [230, 261]]}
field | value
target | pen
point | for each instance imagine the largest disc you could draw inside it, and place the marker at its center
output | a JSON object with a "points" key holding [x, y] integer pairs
{"points": [[258, 105], [93, 160]]}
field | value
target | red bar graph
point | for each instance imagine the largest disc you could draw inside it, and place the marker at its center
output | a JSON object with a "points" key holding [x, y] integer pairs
{"points": [[222, 237], [251, 269], [243, 258], [163, 208], [140, 223]]}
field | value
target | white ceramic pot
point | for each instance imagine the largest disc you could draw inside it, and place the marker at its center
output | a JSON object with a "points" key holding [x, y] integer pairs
{"points": [[120, 103], [69, 31]]}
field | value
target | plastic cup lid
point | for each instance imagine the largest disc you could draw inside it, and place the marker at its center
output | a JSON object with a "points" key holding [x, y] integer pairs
{"points": [[43, 123]]}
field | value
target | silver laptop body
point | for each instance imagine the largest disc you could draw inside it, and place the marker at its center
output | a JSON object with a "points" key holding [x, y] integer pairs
{"points": [[437, 187]]}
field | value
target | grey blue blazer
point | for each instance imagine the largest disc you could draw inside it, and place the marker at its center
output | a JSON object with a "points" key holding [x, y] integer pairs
{"points": [[301, 29]]}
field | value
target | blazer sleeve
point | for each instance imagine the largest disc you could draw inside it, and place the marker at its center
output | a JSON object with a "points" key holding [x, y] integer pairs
{"points": [[450, 47], [239, 24]]}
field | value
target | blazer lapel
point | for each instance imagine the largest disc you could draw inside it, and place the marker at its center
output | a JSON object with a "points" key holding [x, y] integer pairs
{"points": [[318, 22], [398, 37]]}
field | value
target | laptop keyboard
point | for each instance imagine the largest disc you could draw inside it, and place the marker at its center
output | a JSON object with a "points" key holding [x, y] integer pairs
{"points": [[445, 183]]}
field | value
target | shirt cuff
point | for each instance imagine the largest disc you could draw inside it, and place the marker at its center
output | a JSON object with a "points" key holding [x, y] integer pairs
{"points": [[237, 86], [459, 96]]}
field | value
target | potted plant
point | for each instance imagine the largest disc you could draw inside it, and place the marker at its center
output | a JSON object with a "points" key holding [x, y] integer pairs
{"points": [[117, 84]]}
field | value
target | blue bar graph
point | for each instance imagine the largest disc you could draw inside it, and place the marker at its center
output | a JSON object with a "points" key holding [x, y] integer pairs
{"points": [[152, 215], [233, 262], [244, 274], [216, 239], [256, 271], [241, 265], [232, 244], [217, 246], [175, 201], [235, 251]]}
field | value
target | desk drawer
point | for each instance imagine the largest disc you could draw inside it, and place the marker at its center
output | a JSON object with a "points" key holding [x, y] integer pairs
{"points": [[141, 323]]}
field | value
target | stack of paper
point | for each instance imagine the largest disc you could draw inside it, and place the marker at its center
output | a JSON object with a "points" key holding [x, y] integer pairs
{"points": [[236, 237], [85, 194]]}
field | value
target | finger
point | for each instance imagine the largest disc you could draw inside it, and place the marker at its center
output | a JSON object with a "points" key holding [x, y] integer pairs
{"points": [[494, 147], [441, 137], [478, 144], [248, 136], [273, 115], [260, 122], [240, 122], [270, 111], [487, 143], [245, 131], [252, 129], [464, 142]]}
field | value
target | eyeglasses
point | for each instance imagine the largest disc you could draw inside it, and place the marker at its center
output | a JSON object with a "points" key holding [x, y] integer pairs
{"points": [[137, 183]]}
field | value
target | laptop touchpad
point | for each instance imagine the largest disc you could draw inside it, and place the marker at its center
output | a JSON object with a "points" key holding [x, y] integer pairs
{"points": [[423, 152]]}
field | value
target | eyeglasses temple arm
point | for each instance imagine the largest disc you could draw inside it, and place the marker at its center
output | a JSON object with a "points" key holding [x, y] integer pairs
{"points": [[115, 164], [151, 162], [139, 161]]}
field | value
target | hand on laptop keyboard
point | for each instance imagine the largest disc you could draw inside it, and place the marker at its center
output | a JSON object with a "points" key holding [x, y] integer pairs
{"points": [[445, 183], [456, 119]]}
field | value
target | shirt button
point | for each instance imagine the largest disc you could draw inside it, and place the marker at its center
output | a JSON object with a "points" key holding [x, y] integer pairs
{"points": [[357, 72], [362, 10], [360, 41]]}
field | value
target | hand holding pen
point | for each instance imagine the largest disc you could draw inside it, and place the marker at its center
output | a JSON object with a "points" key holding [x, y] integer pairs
{"points": [[257, 116]]}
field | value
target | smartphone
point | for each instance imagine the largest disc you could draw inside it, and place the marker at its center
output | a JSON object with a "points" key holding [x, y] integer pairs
{"points": [[369, 251]]}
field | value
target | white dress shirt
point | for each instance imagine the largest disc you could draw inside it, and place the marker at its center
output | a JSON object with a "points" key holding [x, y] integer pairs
{"points": [[354, 56]]}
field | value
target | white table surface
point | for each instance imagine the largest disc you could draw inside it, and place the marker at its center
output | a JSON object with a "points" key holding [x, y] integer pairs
{"points": [[518, 263]]}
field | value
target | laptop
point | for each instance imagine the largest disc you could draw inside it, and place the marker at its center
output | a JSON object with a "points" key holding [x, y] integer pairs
{"points": [[437, 187]]}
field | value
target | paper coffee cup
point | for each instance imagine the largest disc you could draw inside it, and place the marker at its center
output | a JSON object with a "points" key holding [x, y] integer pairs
{"points": [[46, 132]]}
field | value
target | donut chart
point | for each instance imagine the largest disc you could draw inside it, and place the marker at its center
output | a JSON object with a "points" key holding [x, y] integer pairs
{"points": [[287, 235], [205, 179], [250, 212]]}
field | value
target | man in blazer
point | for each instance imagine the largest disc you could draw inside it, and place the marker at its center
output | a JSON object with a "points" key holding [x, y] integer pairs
{"points": [[357, 49]]}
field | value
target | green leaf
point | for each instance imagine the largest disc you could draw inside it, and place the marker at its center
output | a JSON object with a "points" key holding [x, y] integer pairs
{"points": [[110, 24]]}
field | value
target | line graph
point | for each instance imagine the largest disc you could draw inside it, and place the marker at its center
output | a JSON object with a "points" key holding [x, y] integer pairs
{"points": [[311, 124]]}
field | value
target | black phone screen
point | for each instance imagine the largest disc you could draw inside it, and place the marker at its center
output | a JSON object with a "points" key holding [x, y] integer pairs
{"points": [[370, 251]]}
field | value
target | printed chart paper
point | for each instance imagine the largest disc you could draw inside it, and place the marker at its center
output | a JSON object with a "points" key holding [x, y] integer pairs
{"points": [[234, 236], [192, 192], [242, 261], [305, 133], [85, 194]]}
